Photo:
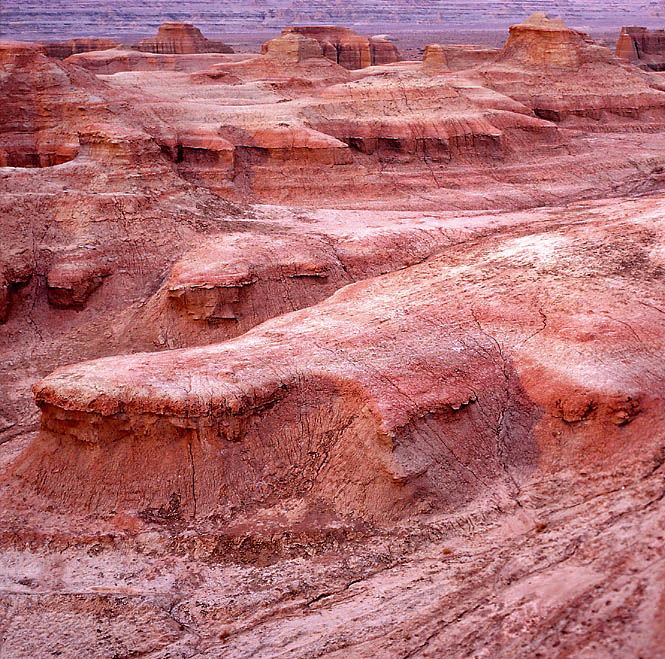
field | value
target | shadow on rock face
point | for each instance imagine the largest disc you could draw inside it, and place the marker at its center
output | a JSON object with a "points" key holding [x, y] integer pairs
{"points": [[326, 440]]}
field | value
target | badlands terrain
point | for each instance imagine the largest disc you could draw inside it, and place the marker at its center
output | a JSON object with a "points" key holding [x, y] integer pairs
{"points": [[320, 351]]}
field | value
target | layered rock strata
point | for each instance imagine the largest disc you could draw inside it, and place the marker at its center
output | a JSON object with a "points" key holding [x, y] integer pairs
{"points": [[65, 49], [366, 403], [108, 62], [584, 82], [344, 47], [642, 47], [176, 38]]}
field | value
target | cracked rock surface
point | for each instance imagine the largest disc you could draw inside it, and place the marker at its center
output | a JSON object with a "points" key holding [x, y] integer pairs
{"points": [[317, 362]]}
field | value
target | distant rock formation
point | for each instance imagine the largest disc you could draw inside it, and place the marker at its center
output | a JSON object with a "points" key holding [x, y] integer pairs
{"points": [[178, 38], [292, 47], [434, 57], [455, 57], [562, 75], [64, 49], [642, 47], [348, 49], [545, 42], [107, 62]]}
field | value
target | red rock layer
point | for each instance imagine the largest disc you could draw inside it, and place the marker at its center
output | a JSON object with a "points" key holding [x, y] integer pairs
{"points": [[564, 76], [177, 38], [425, 388], [642, 47], [458, 58], [64, 49], [113, 61], [346, 48], [39, 97]]}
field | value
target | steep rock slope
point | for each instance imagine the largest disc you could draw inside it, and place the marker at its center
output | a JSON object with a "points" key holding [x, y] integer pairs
{"points": [[642, 47]]}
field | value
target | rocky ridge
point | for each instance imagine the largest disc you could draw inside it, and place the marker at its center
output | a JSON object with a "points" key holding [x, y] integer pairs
{"points": [[346, 48]]}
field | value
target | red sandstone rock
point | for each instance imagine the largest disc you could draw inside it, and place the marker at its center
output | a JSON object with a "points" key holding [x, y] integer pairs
{"points": [[177, 38], [642, 47], [460, 57], [402, 118], [468, 438], [64, 49], [113, 61], [434, 58], [437, 416], [346, 48], [292, 47], [584, 82], [544, 42], [73, 279]]}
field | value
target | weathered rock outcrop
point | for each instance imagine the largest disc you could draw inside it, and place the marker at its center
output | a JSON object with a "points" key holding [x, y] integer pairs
{"points": [[65, 49], [343, 46], [178, 38], [39, 96], [292, 47], [73, 279], [642, 47], [391, 416], [409, 390], [108, 62], [404, 119], [458, 58], [564, 76], [434, 58], [549, 43], [235, 282]]}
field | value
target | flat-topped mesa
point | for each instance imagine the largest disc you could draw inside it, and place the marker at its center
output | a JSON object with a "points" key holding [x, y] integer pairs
{"points": [[65, 49], [459, 57], [292, 47], [562, 75], [434, 58], [544, 42], [642, 47], [178, 38], [348, 49]]}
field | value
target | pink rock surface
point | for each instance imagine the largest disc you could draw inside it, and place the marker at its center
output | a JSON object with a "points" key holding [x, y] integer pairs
{"points": [[332, 362]]}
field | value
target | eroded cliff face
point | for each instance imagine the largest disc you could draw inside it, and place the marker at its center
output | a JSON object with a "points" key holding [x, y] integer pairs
{"points": [[318, 349], [565, 77], [642, 47], [346, 48], [64, 49], [176, 38]]}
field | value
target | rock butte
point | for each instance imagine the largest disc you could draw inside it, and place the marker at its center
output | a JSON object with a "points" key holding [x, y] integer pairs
{"points": [[642, 47], [333, 354], [342, 46], [178, 38]]}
